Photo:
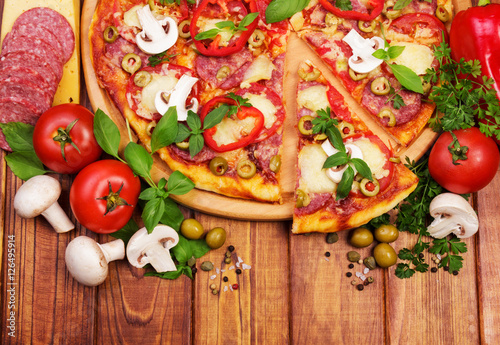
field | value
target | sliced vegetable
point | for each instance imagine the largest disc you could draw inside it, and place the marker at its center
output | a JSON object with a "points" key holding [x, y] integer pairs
{"points": [[345, 9]]}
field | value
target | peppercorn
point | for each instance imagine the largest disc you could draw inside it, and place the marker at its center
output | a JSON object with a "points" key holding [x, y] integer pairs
{"points": [[238, 271], [225, 279], [370, 279], [227, 260], [231, 248], [228, 254], [434, 269], [351, 265], [348, 274], [213, 286], [360, 287], [235, 286], [421, 255], [455, 273], [194, 270], [446, 268], [327, 254], [215, 291], [366, 282], [354, 282]]}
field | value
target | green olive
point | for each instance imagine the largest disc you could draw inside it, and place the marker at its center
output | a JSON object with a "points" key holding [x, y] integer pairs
{"points": [[216, 237], [386, 233], [257, 38], [183, 29], [357, 76], [305, 125], [345, 128], [275, 163], [387, 113], [308, 73], [426, 86], [142, 78], [331, 19], [391, 13], [367, 26], [152, 5], [369, 188], [183, 145], [360, 237], [151, 127], [320, 137], [223, 72], [192, 229], [442, 14], [218, 166], [303, 199], [246, 169], [385, 255], [110, 34], [380, 86], [131, 63]]}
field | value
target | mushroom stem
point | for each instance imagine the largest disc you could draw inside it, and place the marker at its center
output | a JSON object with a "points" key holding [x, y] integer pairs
{"points": [[56, 216], [114, 250], [443, 225], [160, 258]]}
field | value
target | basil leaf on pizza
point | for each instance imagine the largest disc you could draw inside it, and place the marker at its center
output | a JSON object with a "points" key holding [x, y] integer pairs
{"points": [[279, 10], [408, 79], [166, 131]]}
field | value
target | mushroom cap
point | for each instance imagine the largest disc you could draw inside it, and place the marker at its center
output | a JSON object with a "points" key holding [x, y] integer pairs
{"points": [[141, 240], [36, 195], [86, 261]]}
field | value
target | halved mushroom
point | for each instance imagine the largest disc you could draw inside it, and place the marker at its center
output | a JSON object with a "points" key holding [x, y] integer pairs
{"points": [[38, 196], [362, 60], [177, 98], [157, 35], [153, 248], [452, 214]]}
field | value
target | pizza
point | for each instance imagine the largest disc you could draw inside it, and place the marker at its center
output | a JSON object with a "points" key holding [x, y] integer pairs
{"points": [[324, 202], [219, 68]]}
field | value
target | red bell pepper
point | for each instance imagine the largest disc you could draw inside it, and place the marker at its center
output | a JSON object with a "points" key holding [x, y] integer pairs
{"points": [[374, 8], [244, 136], [211, 9]]}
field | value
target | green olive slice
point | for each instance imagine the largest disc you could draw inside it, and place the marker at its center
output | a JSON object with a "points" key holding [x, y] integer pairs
{"points": [[223, 72], [442, 14], [308, 74], [152, 5], [246, 169], [345, 128], [387, 113], [369, 188], [390, 12], [218, 166], [131, 63], [183, 29], [331, 19], [320, 137], [150, 127], [396, 160], [142, 78], [356, 76], [380, 86], [110, 34], [183, 145], [305, 125], [275, 163], [367, 26], [303, 199], [257, 38]]}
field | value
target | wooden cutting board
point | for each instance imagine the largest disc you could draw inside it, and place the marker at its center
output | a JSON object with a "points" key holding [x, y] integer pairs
{"points": [[219, 205]]}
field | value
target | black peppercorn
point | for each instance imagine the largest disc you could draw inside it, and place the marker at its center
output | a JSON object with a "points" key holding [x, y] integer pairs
{"points": [[238, 271], [421, 255], [455, 273], [446, 268], [366, 282], [348, 274], [230, 248], [360, 287], [434, 269], [225, 279], [327, 254], [351, 265], [194, 270]]}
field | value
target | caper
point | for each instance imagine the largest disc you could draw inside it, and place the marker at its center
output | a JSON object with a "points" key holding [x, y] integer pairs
{"points": [[246, 169], [331, 19], [142, 78], [110, 34], [356, 76], [302, 199], [380, 86], [150, 128], [183, 29], [386, 233], [183, 145], [345, 128], [370, 262], [218, 166], [332, 237], [207, 266], [131, 63], [275, 163], [442, 14], [257, 38], [308, 73], [367, 26], [192, 229], [360, 237], [223, 72], [215, 238], [387, 113], [369, 188], [385, 255], [353, 256], [192, 261], [305, 125]]}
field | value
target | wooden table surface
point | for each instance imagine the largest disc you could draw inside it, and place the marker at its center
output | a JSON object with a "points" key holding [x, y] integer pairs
{"points": [[291, 294]]}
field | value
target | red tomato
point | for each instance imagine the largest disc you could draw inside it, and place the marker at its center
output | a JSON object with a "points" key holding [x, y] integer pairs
{"points": [[104, 195], [471, 174], [423, 27], [51, 138]]}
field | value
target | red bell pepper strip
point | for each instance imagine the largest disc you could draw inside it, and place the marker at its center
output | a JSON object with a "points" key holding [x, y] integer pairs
{"points": [[475, 35], [212, 8], [243, 138], [374, 8]]}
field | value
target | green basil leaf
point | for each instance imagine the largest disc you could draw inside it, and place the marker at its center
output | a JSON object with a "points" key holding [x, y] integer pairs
{"points": [[199, 247], [207, 34], [172, 216], [178, 184], [193, 121], [127, 231], [181, 269], [165, 131], [249, 18], [400, 4], [18, 135], [106, 133], [182, 251], [182, 133], [226, 24], [138, 159], [381, 54], [335, 138], [395, 51], [408, 79], [25, 165], [345, 183], [279, 10], [214, 117], [148, 194], [152, 213], [162, 183], [340, 158], [196, 143], [362, 168]]}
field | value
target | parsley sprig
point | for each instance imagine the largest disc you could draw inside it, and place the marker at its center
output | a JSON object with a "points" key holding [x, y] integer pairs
{"points": [[160, 58], [227, 26], [344, 5]]}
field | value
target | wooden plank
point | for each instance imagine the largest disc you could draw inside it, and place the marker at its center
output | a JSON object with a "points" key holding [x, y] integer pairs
{"points": [[258, 311]]}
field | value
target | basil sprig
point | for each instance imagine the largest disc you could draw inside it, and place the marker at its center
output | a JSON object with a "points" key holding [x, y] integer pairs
{"points": [[227, 26], [344, 5], [279, 10]]}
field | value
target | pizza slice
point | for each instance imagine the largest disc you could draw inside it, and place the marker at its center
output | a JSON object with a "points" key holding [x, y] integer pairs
{"points": [[345, 175], [345, 41]]}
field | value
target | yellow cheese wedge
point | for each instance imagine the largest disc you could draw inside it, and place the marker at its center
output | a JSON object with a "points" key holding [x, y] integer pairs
{"points": [[69, 87]]}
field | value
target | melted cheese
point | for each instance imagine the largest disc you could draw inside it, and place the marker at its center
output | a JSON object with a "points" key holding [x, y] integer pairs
{"points": [[158, 83], [313, 98], [130, 17], [372, 155], [265, 106], [232, 130], [313, 177], [416, 57], [261, 69], [297, 21]]}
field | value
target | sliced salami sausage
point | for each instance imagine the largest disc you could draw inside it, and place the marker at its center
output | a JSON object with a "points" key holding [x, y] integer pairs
{"points": [[29, 74], [13, 109], [22, 89], [30, 30], [54, 22], [33, 61]]}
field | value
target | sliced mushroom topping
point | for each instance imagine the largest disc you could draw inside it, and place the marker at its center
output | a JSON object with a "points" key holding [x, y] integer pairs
{"points": [[177, 98], [362, 60], [157, 35]]}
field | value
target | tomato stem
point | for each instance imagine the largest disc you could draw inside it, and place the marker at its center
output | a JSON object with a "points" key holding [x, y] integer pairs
{"points": [[63, 137], [457, 152], [113, 199]]}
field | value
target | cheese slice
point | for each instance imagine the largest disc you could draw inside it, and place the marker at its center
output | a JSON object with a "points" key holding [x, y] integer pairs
{"points": [[69, 87], [313, 98], [416, 57], [313, 178]]}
